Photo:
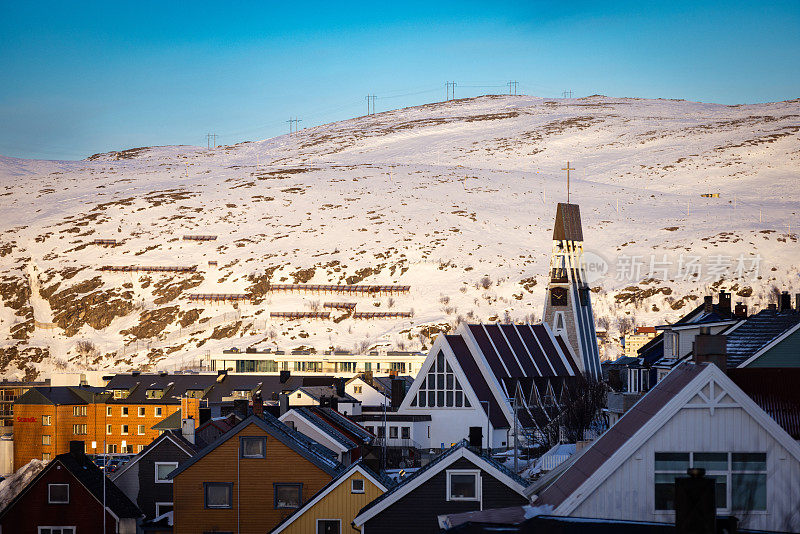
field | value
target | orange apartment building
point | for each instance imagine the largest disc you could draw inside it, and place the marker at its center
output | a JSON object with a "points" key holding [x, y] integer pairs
{"points": [[115, 420]]}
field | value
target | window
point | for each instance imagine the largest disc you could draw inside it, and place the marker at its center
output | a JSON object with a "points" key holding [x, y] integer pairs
{"points": [[741, 478], [163, 508], [79, 411], [393, 432], [56, 530], [163, 469], [124, 430], [79, 430], [154, 393], [440, 388], [329, 526], [45, 456], [381, 431], [288, 495], [45, 439], [108, 430], [463, 485], [108, 411], [405, 432], [141, 411], [58, 493], [357, 485], [357, 389], [218, 494], [299, 395], [140, 430], [158, 411], [111, 448], [124, 411], [253, 447], [46, 421], [120, 393], [139, 448]]}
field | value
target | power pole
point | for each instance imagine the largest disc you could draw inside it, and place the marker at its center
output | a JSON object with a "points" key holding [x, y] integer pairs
{"points": [[567, 94], [448, 86], [514, 85], [371, 97], [209, 137], [295, 121]]}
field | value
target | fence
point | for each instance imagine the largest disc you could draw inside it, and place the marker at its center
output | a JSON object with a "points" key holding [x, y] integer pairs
{"points": [[199, 238], [380, 315], [112, 242], [348, 289], [219, 297], [301, 315], [340, 305], [147, 268]]}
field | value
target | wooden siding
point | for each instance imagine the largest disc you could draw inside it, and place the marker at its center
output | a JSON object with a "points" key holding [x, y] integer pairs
{"points": [[419, 510], [340, 503], [784, 354], [255, 478], [629, 492]]}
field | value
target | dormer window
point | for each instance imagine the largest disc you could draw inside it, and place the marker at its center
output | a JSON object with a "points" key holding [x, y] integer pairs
{"points": [[154, 393], [194, 393], [120, 393], [241, 393]]}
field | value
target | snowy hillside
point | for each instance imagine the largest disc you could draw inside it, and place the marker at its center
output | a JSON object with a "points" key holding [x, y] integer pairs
{"points": [[455, 200]]}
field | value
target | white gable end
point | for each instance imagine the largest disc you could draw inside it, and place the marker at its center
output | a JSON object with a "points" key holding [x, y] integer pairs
{"points": [[710, 415]]}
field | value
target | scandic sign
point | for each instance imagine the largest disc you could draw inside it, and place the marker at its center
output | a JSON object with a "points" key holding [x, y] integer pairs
{"points": [[26, 419]]}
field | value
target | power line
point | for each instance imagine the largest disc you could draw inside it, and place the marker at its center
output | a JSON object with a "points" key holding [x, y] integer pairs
{"points": [[448, 85], [514, 85], [209, 137], [567, 94]]}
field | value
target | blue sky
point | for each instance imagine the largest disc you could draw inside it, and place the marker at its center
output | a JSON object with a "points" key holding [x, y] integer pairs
{"points": [[83, 77]]}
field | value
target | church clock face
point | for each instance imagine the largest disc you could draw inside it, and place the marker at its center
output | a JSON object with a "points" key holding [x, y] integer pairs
{"points": [[558, 296]]}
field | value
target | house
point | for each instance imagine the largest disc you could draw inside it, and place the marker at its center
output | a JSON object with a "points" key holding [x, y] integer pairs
{"points": [[470, 379], [249, 479], [333, 396], [144, 479], [695, 417], [332, 509], [641, 336], [459, 480], [70, 495], [330, 429], [375, 391]]}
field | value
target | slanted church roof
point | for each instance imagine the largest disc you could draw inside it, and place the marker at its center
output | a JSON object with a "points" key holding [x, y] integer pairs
{"points": [[568, 223]]}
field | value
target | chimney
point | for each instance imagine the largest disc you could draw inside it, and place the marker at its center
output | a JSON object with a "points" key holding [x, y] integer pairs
{"points": [[725, 303], [772, 306], [190, 408], [221, 375], [740, 311], [240, 407], [205, 415], [187, 430], [797, 302], [368, 374], [285, 376], [283, 402], [77, 449], [258, 404], [335, 403], [786, 302], [708, 303], [695, 509], [340, 387], [711, 348], [398, 392]]}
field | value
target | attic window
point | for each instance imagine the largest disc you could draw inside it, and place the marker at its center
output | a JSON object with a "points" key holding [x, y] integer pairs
{"points": [[194, 393], [120, 393], [463, 485], [241, 393], [357, 485], [154, 393], [58, 493], [253, 447]]}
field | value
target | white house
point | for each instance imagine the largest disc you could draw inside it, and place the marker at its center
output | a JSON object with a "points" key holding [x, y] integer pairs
{"points": [[695, 417], [313, 396]]}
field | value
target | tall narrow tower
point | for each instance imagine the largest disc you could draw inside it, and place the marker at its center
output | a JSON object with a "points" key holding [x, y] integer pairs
{"points": [[568, 304]]}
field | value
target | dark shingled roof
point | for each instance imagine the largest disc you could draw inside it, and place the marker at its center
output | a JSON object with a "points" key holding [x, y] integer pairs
{"points": [[568, 223], [581, 466], [775, 391], [757, 332], [476, 380], [92, 478], [326, 427], [59, 395]]}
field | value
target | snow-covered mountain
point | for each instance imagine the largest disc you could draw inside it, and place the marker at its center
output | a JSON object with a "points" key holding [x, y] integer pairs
{"points": [[454, 199]]}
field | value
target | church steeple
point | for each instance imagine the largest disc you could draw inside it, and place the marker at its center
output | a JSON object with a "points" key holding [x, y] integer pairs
{"points": [[568, 305]]}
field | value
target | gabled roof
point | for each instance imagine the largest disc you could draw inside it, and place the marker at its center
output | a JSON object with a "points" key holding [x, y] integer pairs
{"points": [[174, 386], [317, 392], [775, 391], [580, 476], [759, 332], [344, 424], [312, 451], [382, 483], [92, 478], [321, 426], [170, 422], [59, 395], [496, 469], [184, 446]]}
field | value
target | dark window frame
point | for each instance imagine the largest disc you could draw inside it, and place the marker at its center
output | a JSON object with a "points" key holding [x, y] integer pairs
{"points": [[298, 485], [50, 497], [206, 485], [253, 438]]}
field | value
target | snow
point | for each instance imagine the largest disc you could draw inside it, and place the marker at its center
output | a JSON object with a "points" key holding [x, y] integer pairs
{"points": [[13, 484], [533, 511], [446, 194]]}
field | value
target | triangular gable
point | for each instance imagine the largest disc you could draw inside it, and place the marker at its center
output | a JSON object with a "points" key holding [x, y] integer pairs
{"points": [[709, 389], [322, 493], [154, 445], [423, 475]]}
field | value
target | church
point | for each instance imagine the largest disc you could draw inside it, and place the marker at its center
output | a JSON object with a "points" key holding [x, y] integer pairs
{"points": [[485, 379]]}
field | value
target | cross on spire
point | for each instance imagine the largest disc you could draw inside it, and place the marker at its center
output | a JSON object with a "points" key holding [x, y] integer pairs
{"points": [[568, 168]]}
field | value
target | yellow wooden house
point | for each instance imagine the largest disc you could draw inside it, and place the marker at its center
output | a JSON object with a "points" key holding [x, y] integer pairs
{"points": [[332, 509]]}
